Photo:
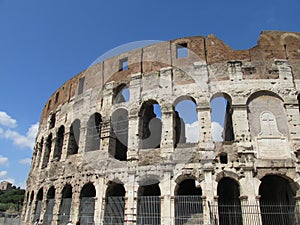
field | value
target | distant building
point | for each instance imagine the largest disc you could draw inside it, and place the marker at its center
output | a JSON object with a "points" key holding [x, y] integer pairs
{"points": [[5, 186]]}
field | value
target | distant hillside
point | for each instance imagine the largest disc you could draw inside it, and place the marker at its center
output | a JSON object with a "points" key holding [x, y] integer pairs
{"points": [[11, 200]]}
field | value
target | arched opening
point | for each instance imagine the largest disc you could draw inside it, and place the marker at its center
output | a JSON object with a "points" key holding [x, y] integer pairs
{"points": [[87, 204], [74, 137], [119, 137], [59, 142], [276, 202], [229, 205], [188, 203], [39, 153], [47, 151], [38, 207], [52, 121], [121, 94], [93, 132], [223, 158], [221, 118], [186, 121], [65, 205], [49, 206], [30, 207], [148, 205], [114, 204], [150, 126]]}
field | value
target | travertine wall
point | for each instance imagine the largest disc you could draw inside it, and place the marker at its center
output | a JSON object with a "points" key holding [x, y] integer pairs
{"points": [[261, 85]]}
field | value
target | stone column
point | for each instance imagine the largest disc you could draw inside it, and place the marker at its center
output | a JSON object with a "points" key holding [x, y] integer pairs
{"points": [[57, 201], [207, 195], [99, 201], [167, 134], [285, 74], [133, 135], [204, 125], [167, 210], [105, 137], [74, 211], [130, 199]]}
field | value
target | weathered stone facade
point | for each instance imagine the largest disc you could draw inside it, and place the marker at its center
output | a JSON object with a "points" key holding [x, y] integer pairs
{"points": [[94, 145]]}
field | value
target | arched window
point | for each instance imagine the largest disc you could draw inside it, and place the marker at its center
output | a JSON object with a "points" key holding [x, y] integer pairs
{"points": [[221, 117], [229, 205], [52, 121], [74, 137], [30, 207], [119, 140], [49, 206], [93, 132], [186, 121], [47, 151], [276, 201], [188, 203], [59, 142], [65, 205], [150, 127], [148, 206], [38, 207], [114, 204], [87, 204], [121, 94]]}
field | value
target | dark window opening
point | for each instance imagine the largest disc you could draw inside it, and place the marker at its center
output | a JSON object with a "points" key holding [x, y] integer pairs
{"points": [[114, 204], [74, 138], [65, 205], [87, 204], [59, 142], [123, 64], [47, 151], [52, 121], [298, 102], [38, 207], [56, 97], [93, 132], [119, 130], [182, 50], [277, 201], [150, 126], [223, 158], [81, 85], [121, 94], [188, 203], [229, 205], [148, 205]]}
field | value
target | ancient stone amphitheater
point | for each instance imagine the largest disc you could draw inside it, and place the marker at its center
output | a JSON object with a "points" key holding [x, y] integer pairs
{"points": [[113, 148]]}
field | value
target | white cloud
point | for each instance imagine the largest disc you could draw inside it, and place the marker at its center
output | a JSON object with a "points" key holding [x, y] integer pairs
{"points": [[6, 120], [3, 161], [1, 130], [26, 161], [22, 140], [3, 173], [217, 131], [192, 132]]}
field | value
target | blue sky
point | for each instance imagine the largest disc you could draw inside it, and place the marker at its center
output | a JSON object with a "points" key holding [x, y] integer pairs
{"points": [[44, 43]]}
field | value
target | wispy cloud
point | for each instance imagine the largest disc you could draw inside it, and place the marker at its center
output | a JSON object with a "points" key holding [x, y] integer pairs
{"points": [[217, 131], [3, 173], [22, 140], [7, 121], [192, 132], [26, 161], [3, 161]]}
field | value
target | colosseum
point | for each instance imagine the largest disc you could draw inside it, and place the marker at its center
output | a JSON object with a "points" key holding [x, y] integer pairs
{"points": [[113, 145]]}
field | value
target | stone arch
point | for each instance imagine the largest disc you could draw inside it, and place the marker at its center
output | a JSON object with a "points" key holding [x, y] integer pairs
{"points": [[150, 125], [65, 204], [38, 206], [277, 192], [185, 114], [188, 202], [48, 216], [114, 204], [221, 117], [121, 94], [229, 205], [148, 204], [87, 203], [257, 94], [228, 174], [119, 134], [47, 151], [93, 132], [59, 142], [74, 136]]}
